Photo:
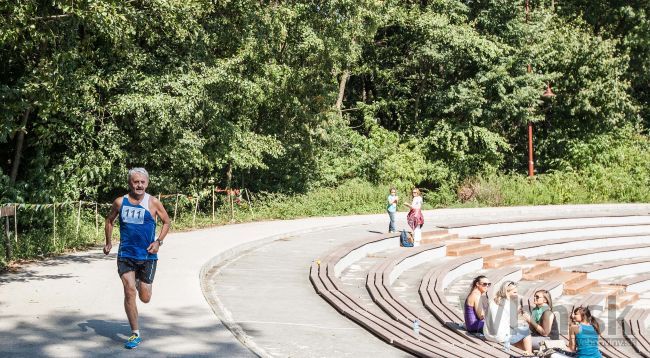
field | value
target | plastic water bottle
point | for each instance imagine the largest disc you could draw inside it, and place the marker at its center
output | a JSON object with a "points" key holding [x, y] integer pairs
{"points": [[416, 327], [506, 344]]}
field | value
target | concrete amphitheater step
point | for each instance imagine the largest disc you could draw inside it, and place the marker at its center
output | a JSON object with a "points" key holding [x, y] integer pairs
{"points": [[549, 246], [608, 290], [452, 243], [526, 216], [529, 265], [541, 234], [568, 277], [541, 272], [434, 338], [502, 261], [615, 296], [623, 300], [636, 283], [579, 286], [495, 254], [581, 257], [434, 235], [477, 248], [612, 268], [383, 292]]}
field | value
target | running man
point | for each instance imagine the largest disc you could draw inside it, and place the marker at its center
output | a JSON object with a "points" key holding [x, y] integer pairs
{"points": [[137, 255]]}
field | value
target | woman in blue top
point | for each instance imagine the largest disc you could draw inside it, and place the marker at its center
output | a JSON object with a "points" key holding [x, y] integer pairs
{"points": [[583, 334]]}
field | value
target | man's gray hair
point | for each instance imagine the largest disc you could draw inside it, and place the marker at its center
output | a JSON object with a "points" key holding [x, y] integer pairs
{"points": [[142, 171]]}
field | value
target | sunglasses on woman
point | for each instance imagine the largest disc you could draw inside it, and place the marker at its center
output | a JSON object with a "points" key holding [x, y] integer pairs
{"points": [[485, 284]]}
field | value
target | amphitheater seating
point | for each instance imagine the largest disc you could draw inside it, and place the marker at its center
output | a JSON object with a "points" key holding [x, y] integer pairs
{"points": [[614, 268], [433, 297], [633, 323], [644, 223], [542, 217], [590, 257], [640, 283], [548, 246], [329, 287], [378, 282]]}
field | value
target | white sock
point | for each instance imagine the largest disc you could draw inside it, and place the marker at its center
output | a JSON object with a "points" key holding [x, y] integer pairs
{"points": [[136, 332]]}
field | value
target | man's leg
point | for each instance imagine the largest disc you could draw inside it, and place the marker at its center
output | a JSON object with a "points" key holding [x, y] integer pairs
{"points": [[145, 292], [130, 293], [146, 274]]}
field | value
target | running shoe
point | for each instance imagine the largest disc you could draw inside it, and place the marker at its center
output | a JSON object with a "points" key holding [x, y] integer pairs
{"points": [[132, 342]]}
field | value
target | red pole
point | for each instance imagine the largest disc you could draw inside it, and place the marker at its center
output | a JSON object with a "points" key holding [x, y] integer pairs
{"points": [[531, 163]]}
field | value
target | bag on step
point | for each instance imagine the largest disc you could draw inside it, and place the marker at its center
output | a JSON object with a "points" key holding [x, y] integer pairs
{"points": [[405, 239]]}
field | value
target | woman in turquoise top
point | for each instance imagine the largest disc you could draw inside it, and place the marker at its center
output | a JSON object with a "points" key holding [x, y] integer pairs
{"points": [[583, 334]]}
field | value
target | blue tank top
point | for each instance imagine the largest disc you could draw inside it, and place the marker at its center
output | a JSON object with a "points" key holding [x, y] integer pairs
{"points": [[137, 230], [587, 342]]}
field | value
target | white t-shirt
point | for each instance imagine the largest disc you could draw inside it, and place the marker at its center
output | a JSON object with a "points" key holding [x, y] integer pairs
{"points": [[499, 321], [417, 202]]}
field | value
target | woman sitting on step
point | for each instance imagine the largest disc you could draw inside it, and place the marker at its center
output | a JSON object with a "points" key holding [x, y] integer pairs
{"points": [[542, 323], [474, 308], [583, 336], [501, 320]]}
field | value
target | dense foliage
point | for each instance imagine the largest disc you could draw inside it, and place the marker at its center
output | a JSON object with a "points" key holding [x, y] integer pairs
{"points": [[286, 97]]}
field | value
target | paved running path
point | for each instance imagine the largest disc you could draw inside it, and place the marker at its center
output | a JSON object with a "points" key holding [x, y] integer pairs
{"points": [[266, 292], [72, 305]]}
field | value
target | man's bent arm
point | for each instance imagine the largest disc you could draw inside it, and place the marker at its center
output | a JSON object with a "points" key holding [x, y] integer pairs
{"points": [[160, 210], [108, 225]]}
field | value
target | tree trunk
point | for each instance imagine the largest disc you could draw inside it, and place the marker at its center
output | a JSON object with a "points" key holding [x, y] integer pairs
{"points": [[344, 80], [19, 147], [228, 175]]}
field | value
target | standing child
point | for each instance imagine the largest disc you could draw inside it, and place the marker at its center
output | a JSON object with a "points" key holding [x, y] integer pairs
{"points": [[392, 208]]}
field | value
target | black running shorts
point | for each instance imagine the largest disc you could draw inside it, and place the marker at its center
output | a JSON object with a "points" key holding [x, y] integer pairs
{"points": [[144, 270]]}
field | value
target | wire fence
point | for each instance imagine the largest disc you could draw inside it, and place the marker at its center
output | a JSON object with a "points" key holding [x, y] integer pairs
{"points": [[45, 224]]}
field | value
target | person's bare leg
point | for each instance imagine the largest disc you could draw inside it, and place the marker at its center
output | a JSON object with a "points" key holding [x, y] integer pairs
{"points": [[145, 292], [130, 293], [525, 344]]}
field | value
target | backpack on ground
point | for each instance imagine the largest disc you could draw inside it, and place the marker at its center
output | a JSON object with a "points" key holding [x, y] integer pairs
{"points": [[405, 239]]}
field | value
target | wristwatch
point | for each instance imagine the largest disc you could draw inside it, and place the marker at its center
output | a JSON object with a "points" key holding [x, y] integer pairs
{"points": [[159, 242]]}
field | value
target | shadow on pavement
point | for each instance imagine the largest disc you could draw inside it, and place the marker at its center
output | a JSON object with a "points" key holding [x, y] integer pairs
{"points": [[29, 272], [110, 329], [70, 334]]}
